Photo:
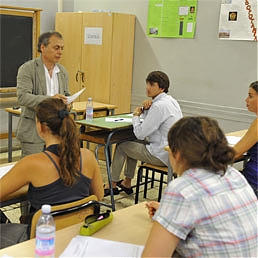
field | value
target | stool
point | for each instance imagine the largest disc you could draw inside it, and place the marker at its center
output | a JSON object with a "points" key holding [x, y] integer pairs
{"points": [[163, 170]]}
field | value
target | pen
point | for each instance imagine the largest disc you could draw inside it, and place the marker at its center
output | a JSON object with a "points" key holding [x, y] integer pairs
{"points": [[120, 119]]}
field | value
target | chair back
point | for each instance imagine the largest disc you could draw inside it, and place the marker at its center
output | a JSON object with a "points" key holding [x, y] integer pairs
{"points": [[69, 213]]}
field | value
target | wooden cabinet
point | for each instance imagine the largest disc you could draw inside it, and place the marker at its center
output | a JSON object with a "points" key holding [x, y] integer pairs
{"points": [[104, 67]]}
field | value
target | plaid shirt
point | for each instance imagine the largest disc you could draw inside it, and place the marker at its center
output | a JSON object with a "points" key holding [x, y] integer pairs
{"points": [[213, 215]]}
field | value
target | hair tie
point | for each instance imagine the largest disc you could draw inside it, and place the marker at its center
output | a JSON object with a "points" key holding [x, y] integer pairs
{"points": [[63, 113]]}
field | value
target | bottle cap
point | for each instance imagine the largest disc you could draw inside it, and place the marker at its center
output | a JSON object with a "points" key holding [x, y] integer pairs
{"points": [[46, 208], [89, 99]]}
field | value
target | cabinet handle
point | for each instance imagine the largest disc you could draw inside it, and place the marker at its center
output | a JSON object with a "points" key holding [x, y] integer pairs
{"points": [[77, 74]]}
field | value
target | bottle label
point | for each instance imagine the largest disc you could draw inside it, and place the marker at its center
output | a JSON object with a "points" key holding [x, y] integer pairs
{"points": [[45, 246], [89, 113]]}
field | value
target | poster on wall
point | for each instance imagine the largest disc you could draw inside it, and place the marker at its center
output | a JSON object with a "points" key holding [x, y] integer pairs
{"points": [[238, 20], [172, 18]]}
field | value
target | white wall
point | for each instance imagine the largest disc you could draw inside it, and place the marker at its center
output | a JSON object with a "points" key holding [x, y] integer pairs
{"points": [[47, 15], [209, 76]]}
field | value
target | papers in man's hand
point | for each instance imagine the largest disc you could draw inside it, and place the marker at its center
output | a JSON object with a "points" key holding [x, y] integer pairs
{"points": [[83, 246], [232, 140], [5, 169], [70, 99]]}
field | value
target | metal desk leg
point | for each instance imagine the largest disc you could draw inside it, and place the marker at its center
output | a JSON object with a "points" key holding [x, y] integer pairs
{"points": [[108, 164], [112, 112], [10, 140], [109, 177]]}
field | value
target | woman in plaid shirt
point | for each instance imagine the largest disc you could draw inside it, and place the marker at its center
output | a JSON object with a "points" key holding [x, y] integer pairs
{"points": [[209, 210]]}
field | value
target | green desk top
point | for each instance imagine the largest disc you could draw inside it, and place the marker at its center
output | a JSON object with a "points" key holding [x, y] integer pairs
{"points": [[109, 122]]}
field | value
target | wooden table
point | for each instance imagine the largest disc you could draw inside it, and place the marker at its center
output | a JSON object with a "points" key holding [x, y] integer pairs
{"points": [[78, 107], [130, 225], [240, 133], [105, 133]]}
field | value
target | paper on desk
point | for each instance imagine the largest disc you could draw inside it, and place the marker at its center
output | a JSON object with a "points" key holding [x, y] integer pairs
{"points": [[118, 119], [232, 140], [5, 169], [83, 246], [70, 99]]}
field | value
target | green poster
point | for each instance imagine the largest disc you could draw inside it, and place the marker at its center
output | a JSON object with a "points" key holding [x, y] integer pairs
{"points": [[172, 18]]}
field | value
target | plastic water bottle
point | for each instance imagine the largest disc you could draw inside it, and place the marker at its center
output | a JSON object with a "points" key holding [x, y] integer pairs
{"points": [[45, 234], [89, 110]]}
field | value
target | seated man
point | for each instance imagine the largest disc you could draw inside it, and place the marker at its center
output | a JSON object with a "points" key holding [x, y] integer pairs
{"points": [[158, 114]]}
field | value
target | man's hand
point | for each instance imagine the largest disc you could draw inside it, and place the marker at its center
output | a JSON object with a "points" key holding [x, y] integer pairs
{"points": [[146, 104], [138, 111], [60, 96]]}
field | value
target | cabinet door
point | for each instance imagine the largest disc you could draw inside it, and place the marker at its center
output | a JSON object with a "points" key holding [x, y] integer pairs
{"points": [[70, 26], [122, 61], [96, 56]]}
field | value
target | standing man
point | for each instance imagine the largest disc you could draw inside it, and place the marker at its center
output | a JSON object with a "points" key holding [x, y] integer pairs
{"points": [[158, 113], [38, 79]]}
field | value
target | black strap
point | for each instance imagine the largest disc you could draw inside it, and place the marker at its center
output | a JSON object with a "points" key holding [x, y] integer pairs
{"points": [[57, 168]]}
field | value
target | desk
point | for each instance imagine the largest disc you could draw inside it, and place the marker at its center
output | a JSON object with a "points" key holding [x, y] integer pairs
{"points": [[130, 225], [104, 133], [78, 107], [11, 112], [244, 157], [18, 196], [240, 133]]}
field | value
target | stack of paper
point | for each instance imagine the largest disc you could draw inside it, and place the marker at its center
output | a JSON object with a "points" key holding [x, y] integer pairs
{"points": [[83, 246]]}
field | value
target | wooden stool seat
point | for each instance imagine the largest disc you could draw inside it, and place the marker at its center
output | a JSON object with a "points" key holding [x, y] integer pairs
{"points": [[162, 170]]}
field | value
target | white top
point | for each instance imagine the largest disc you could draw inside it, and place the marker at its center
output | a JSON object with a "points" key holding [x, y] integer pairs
{"points": [[157, 121], [52, 82]]}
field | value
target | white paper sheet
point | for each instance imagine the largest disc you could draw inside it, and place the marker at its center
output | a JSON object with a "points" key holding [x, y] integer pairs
{"points": [[118, 119], [93, 35], [70, 99], [83, 246], [232, 140], [5, 169], [238, 20]]}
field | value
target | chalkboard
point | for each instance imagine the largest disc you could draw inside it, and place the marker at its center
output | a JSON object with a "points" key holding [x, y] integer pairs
{"points": [[16, 46]]}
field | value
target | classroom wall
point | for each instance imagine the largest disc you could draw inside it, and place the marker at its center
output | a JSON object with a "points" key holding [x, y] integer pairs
{"points": [[209, 76], [49, 9]]}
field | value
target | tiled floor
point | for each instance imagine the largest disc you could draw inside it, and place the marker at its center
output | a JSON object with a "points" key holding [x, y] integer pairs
{"points": [[122, 200]]}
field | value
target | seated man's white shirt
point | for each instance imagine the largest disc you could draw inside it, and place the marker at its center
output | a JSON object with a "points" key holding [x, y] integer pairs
{"points": [[157, 121]]}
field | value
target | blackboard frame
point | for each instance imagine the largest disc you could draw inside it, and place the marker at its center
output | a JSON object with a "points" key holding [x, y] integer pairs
{"points": [[32, 13]]}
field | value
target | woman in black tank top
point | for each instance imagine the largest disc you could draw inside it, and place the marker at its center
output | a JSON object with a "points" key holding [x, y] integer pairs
{"points": [[62, 172]]}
